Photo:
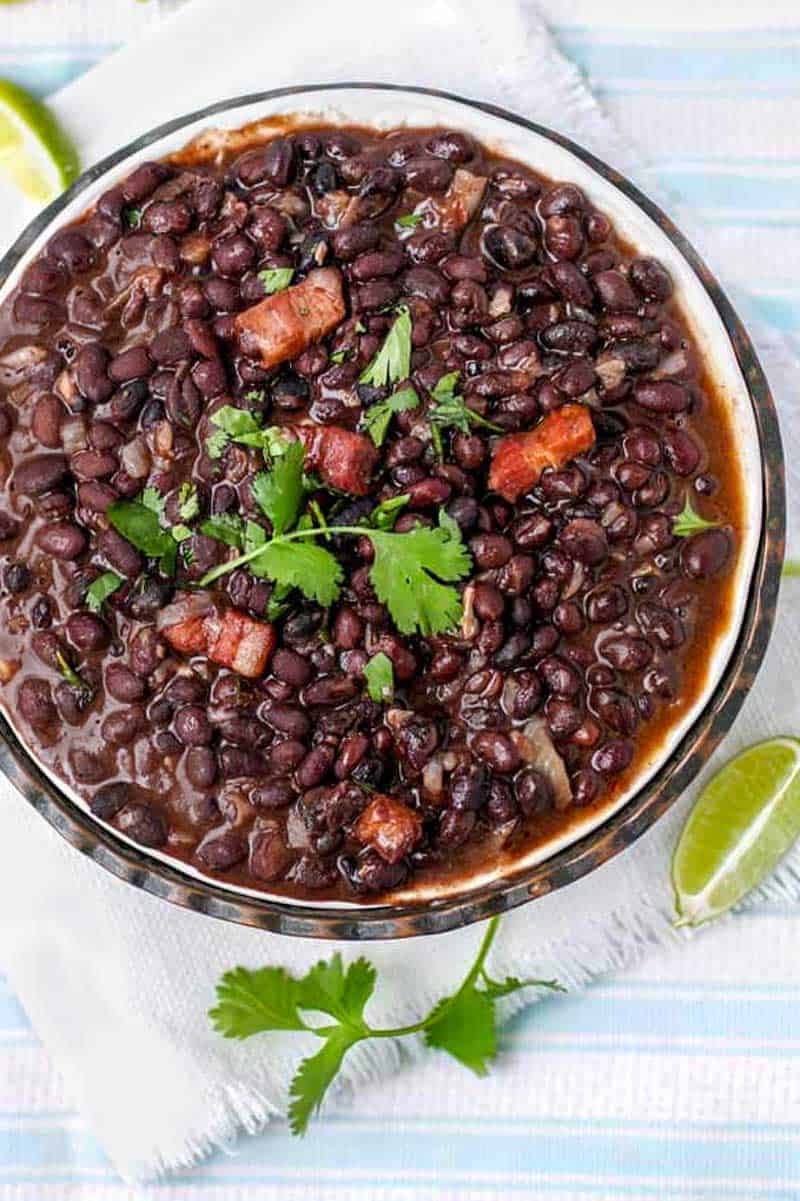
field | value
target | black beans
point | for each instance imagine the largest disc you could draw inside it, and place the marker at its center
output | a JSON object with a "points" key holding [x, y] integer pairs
{"points": [[142, 823], [498, 751], [533, 791], [706, 554], [661, 396], [585, 540], [62, 540], [490, 550], [569, 337], [108, 800], [36, 703], [650, 279], [579, 598], [40, 474]]}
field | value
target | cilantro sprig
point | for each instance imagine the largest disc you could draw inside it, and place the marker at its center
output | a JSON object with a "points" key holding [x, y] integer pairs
{"points": [[100, 589], [450, 411], [379, 675], [378, 417], [690, 522], [392, 363], [140, 522], [463, 1024], [247, 428], [412, 573], [276, 279]]}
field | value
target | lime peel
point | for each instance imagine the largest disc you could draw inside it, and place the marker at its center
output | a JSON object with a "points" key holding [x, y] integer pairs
{"points": [[35, 152], [744, 822]]}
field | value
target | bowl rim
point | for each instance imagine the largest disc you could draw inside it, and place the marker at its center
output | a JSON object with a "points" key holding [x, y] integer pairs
{"points": [[617, 831]]}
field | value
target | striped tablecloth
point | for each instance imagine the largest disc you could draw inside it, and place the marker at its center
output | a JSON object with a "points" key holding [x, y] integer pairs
{"points": [[691, 1063]]}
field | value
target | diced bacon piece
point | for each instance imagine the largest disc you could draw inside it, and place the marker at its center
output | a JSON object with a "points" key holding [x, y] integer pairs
{"points": [[342, 459], [188, 637], [281, 326], [461, 201], [229, 638], [520, 459], [390, 827], [240, 643]]}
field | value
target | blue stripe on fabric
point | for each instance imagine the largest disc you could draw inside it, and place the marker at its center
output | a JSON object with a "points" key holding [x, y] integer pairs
{"points": [[675, 65], [752, 36], [44, 78], [341, 1149]]}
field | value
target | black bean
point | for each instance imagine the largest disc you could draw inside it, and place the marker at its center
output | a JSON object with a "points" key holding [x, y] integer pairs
{"points": [[108, 800], [570, 337], [62, 540], [534, 792], [661, 396], [142, 823], [650, 279], [705, 554], [39, 474], [36, 703], [613, 757], [222, 848]]}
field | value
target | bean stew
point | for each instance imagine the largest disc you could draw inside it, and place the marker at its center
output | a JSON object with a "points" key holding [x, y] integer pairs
{"points": [[368, 511]]}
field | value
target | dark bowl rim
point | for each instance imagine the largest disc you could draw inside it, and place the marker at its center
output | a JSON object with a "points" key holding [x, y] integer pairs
{"points": [[614, 834]]}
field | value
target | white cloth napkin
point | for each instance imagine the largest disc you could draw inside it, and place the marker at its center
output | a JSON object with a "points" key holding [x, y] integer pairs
{"points": [[116, 982]]}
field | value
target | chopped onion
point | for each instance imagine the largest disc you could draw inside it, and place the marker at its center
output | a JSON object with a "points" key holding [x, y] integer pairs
{"points": [[135, 458], [433, 775], [676, 364], [610, 513], [611, 371], [65, 387], [296, 832], [188, 606], [73, 434], [575, 581], [536, 747], [469, 622], [395, 718]]}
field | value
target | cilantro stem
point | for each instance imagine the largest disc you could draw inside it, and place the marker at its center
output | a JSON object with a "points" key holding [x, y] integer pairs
{"points": [[249, 555], [468, 981]]}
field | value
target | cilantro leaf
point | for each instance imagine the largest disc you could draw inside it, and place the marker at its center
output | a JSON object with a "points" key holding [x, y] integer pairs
{"points": [[188, 501], [410, 220], [152, 499], [181, 532], [450, 411], [504, 988], [315, 1075], [689, 522], [140, 525], [379, 675], [464, 1027], [310, 568], [392, 363], [377, 418], [407, 571], [276, 279], [342, 355], [279, 492], [251, 1001], [133, 218], [278, 603], [225, 527], [101, 588]]}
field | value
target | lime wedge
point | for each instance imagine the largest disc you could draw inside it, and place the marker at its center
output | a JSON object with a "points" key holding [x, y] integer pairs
{"points": [[746, 819], [35, 152]]}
